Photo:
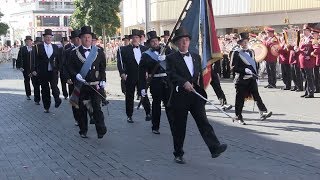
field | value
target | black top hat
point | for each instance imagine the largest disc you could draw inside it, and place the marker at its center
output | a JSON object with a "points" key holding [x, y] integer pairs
{"points": [[47, 32], [142, 33], [166, 33], [38, 39], [28, 38], [74, 34], [94, 36], [152, 35], [135, 32], [243, 36], [180, 33], [85, 30], [125, 37], [64, 39]]}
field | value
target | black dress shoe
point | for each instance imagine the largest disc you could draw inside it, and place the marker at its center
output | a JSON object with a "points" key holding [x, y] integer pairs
{"points": [[285, 88], [309, 96], [129, 120], [148, 117], [179, 160], [46, 111], [265, 115], [267, 86], [58, 102], [219, 150], [37, 103], [100, 136], [28, 98], [66, 97], [293, 89], [303, 95], [155, 132], [299, 90]]}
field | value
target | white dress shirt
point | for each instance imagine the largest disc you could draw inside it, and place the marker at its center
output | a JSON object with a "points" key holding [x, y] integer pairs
{"points": [[137, 54], [189, 62], [87, 52], [49, 51]]}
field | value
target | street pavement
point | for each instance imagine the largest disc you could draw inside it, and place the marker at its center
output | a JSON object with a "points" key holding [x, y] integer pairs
{"points": [[35, 145]]}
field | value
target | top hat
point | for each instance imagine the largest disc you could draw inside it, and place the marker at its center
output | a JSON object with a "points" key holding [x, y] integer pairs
{"points": [[268, 29], [135, 32], [125, 37], [315, 30], [180, 33], [152, 35], [85, 30], [74, 34], [28, 38], [64, 39], [38, 39], [166, 33], [94, 36], [243, 36], [142, 33], [48, 32], [306, 26]]}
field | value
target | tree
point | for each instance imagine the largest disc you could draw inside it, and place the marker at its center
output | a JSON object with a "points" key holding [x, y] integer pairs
{"points": [[102, 15], [3, 27]]}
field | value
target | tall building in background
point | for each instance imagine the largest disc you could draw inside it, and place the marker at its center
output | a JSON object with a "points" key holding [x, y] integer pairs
{"points": [[230, 15], [31, 17]]}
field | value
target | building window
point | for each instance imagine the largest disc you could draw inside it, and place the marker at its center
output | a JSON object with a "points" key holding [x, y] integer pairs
{"points": [[48, 21], [66, 21]]}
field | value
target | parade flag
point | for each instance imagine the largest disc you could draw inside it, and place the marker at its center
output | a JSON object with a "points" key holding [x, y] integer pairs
{"points": [[199, 21]]}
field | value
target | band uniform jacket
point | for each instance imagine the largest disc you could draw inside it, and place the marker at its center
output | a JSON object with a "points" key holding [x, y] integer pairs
{"points": [[97, 71], [25, 60], [179, 74], [269, 43], [284, 54], [316, 50], [42, 60], [129, 65], [147, 64], [304, 54], [239, 66]]}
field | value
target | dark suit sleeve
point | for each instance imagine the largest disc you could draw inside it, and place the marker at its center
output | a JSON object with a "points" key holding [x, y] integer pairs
{"points": [[120, 62], [66, 60], [35, 58], [19, 59], [176, 79], [143, 66], [102, 66], [71, 65], [201, 84], [236, 63]]}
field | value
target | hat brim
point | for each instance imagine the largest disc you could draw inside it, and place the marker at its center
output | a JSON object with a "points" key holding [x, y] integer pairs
{"points": [[177, 38], [84, 34], [130, 36], [241, 40], [153, 38], [164, 35], [28, 39], [125, 39], [47, 34]]}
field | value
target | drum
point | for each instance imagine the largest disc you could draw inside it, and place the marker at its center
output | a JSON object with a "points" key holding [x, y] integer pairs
{"points": [[260, 51]]}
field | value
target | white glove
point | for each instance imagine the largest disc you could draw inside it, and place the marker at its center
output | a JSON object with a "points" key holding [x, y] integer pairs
{"points": [[102, 84], [80, 78], [295, 48], [248, 71], [162, 57], [143, 93], [21, 69]]}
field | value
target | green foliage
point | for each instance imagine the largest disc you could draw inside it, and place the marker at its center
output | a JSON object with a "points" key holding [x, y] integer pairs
{"points": [[3, 27], [100, 14]]}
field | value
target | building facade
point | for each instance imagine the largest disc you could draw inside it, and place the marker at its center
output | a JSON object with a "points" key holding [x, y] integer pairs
{"points": [[230, 15], [31, 17]]}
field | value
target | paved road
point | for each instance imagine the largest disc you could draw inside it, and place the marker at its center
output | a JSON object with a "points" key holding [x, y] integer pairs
{"points": [[35, 145]]}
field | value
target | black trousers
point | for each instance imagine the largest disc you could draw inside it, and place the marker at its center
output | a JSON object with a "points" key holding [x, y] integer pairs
{"points": [[160, 92], [226, 66], [196, 106], [64, 87], [130, 90], [47, 80], [36, 88], [296, 77], [272, 73], [26, 81], [242, 89], [286, 75], [14, 60], [123, 86], [316, 78], [215, 83], [309, 83], [86, 93], [74, 110]]}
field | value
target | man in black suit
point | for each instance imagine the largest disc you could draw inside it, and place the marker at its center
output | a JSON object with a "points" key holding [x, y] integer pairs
{"points": [[87, 66], [75, 42], [185, 73], [46, 67], [152, 62], [166, 36], [63, 80], [245, 67], [24, 63], [128, 66]]}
